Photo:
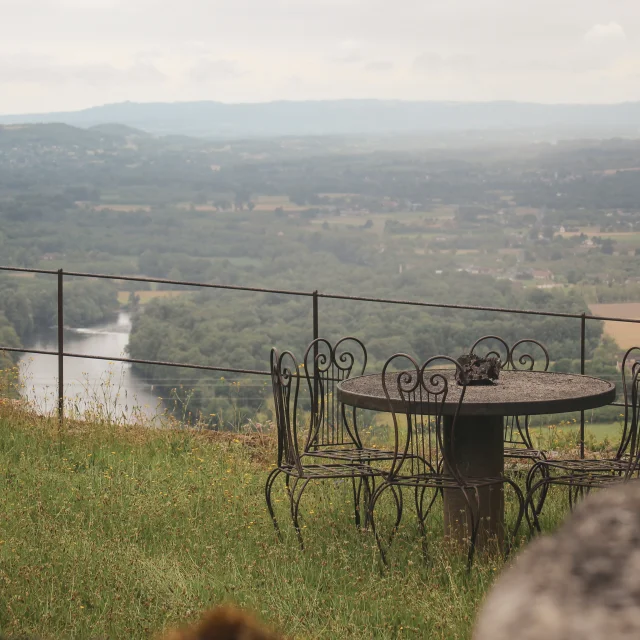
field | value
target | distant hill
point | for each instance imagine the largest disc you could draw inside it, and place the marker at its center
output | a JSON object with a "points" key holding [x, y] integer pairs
{"points": [[343, 117], [57, 134], [51, 134], [117, 129]]}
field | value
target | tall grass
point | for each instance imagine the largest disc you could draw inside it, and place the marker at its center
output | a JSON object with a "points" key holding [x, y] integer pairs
{"points": [[119, 532]]}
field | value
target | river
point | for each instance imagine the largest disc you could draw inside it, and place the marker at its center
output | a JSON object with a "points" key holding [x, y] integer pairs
{"points": [[106, 388]]}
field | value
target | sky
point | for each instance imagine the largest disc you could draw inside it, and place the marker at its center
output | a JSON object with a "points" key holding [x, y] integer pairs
{"points": [[71, 54]]}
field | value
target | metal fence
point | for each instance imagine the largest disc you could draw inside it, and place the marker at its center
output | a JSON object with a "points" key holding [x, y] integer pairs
{"points": [[313, 295]]}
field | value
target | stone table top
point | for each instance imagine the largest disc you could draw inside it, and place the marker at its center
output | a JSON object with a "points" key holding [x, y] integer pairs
{"points": [[514, 393]]}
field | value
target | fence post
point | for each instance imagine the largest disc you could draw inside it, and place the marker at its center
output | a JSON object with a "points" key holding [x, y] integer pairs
{"points": [[60, 347], [315, 315], [315, 337], [583, 348], [315, 407]]}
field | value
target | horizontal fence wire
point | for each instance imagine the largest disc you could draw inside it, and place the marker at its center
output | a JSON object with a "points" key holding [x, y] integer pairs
{"points": [[330, 296], [160, 363], [289, 292]]}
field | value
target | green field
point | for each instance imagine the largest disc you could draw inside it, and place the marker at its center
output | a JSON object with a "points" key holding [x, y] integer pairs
{"points": [[597, 434], [121, 532], [379, 220]]}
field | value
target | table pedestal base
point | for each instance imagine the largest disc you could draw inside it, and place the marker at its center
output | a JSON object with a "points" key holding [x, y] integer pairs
{"points": [[478, 448]]}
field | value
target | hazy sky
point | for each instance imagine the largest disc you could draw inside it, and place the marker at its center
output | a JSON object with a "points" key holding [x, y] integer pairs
{"points": [[70, 54]]}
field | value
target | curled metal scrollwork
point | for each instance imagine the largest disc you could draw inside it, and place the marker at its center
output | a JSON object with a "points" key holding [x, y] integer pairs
{"points": [[318, 357], [510, 360], [527, 360], [346, 360], [492, 351], [286, 383], [434, 381], [325, 365], [406, 380], [284, 373]]}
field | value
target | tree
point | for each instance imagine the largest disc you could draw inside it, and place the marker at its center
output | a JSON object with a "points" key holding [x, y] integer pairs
{"points": [[607, 246], [133, 302], [573, 277]]}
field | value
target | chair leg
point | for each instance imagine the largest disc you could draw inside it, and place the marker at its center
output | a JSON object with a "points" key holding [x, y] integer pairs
{"points": [[372, 506], [267, 491], [475, 525], [357, 491], [573, 498], [521, 510], [295, 507], [361, 493], [369, 487], [544, 472], [419, 496], [422, 514], [570, 498], [534, 521], [397, 496], [543, 498]]}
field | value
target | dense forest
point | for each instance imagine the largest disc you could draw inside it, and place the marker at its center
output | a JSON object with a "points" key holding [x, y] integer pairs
{"points": [[237, 330], [536, 226]]}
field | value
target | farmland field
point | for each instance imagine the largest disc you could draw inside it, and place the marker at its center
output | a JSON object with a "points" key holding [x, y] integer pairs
{"points": [[121, 207], [379, 220], [620, 237], [269, 203], [626, 334]]}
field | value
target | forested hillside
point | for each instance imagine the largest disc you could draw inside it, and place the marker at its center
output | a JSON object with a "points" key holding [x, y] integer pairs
{"points": [[545, 227], [238, 329]]}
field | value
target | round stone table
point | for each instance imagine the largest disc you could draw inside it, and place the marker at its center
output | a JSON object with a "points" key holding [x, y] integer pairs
{"points": [[479, 432]]}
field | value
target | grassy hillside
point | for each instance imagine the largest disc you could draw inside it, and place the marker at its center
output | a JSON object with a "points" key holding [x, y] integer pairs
{"points": [[114, 532]]}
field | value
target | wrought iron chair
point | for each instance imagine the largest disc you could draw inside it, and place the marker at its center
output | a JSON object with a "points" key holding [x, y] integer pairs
{"points": [[333, 433], [518, 443], [423, 456], [582, 475], [334, 429], [292, 460]]}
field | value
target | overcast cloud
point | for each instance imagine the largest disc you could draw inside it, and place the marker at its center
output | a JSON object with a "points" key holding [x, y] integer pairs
{"points": [[71, 54]]}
